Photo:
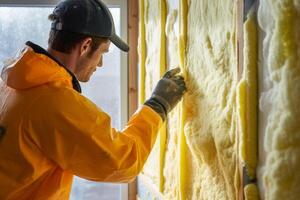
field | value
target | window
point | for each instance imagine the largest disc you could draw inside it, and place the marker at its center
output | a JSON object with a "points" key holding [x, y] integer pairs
{"points": [[23, 20]]}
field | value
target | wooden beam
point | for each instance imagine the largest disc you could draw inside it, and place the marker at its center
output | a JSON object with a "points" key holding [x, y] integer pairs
{"points": [[132, 72], [133, 55]]}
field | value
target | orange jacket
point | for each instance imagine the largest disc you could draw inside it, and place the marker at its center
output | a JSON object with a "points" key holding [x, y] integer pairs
{"points": [[53, 133]]}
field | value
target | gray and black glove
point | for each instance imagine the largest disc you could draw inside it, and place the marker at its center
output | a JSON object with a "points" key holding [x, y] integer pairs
{"points": [[167, 93]]}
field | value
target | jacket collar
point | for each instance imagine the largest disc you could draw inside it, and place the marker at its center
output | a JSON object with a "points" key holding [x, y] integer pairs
{"points": [[40, 50]]}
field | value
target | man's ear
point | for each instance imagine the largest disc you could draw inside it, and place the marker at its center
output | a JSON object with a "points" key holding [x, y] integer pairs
{"points": [[85, 46]]}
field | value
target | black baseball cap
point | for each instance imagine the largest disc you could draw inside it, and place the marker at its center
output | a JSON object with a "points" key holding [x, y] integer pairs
{"points": [[88, 17]]}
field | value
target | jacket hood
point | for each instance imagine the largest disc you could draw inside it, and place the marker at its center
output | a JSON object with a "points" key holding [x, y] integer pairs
{"points": [[32, 67]]}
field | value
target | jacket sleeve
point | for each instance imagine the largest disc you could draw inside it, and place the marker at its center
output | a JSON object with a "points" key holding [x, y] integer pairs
{"points": [[78, 136]]}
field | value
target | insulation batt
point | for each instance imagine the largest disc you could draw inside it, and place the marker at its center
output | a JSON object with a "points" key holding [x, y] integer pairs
{"points": [[211, 99], [279, 101]]}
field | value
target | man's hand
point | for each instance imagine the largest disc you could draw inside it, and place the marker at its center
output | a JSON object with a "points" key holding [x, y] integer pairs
{"points": [[167, 93]]}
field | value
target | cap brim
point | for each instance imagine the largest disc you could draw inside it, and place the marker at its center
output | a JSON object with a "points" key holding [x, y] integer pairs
{"points": [[116, 40]]}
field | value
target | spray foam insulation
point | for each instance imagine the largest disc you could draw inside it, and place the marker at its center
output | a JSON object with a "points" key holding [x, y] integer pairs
{"points": [[279, 101]]}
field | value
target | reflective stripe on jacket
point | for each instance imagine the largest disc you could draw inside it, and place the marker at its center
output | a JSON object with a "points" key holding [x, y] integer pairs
{"points": [[52, 132]]}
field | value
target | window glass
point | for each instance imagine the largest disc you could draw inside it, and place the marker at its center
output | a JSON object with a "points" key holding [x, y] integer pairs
{"points": [[20, 24]]}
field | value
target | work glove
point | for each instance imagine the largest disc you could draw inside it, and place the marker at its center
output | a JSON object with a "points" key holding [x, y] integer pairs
{"points": [[167, 93]]}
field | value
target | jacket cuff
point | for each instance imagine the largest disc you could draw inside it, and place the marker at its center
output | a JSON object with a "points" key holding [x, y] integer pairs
{"points": [[157, 107]]}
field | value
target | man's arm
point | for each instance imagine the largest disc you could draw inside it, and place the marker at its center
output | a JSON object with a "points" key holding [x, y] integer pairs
{"points": [[75, 134]]}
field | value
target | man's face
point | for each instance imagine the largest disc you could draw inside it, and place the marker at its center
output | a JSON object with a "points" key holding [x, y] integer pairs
{"points": [[87, 65]]}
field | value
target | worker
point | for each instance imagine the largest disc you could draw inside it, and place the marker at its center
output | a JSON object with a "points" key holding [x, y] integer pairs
{"points": [[49, 131]]}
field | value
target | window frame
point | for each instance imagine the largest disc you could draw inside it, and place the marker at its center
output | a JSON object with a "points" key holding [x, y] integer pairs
{"points": [[122, 4]]}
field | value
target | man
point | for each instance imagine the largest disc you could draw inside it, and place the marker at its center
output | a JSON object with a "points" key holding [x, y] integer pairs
{"points": [[50, 132]]}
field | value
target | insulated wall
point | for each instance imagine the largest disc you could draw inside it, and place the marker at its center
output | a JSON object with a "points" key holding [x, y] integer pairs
{"points": [[208, 146]]}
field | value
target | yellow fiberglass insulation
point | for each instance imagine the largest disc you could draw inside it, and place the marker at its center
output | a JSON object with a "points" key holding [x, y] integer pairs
{"points": [[210, 128], [279, 20]]}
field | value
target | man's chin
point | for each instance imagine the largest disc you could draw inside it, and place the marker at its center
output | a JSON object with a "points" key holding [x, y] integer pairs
{"points": [[84, 80]]}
